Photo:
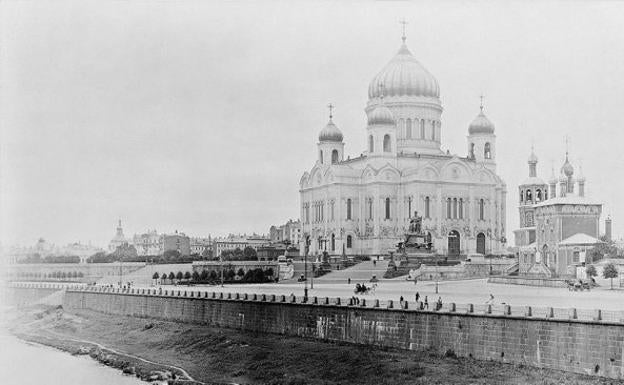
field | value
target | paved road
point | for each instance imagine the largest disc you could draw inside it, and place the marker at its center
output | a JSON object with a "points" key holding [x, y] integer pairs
{"points": [[461, 292]]}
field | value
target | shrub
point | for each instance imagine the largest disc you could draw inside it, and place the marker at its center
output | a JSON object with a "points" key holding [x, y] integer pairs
{"points": [[195, 276], [179, 276], [155, 276], [204, 275], [163, 276], [172, 276], [213, 275], [187, 275]]}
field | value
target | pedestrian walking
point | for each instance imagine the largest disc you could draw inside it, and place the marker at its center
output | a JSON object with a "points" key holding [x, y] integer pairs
{"points": [[426, 302], [374, 262], [401, 299], [349, 281], [417, 296]]}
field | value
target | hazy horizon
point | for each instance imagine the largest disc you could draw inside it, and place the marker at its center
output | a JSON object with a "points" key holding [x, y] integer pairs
{"points": [[201, 117]]}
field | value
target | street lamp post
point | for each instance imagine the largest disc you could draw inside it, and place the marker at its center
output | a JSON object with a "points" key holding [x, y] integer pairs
{"points": [[305, 279]]}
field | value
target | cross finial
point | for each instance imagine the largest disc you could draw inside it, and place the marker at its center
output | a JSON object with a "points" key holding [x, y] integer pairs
{"points": [[402, 21], [331, 110], [381, 90], [481, 105], [566, 143]]}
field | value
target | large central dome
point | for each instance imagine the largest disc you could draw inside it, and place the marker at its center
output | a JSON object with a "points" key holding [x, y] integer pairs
{"points": [[404, 76]]}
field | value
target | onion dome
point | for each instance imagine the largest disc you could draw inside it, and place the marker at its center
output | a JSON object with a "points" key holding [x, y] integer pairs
{"points": [[330, 133], [404, 76], [567, 168], [381, 115], [532, 157], [481, 125]]}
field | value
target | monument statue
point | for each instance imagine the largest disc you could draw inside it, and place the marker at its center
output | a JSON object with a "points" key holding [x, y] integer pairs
{"points": [[416, 224]]}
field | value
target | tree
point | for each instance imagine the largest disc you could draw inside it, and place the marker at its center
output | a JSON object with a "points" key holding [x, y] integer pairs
{"points": [[195, 276], [604, 249], [204, 275], [250, 254], [213, 275], [610, 271], [155, 276], [187, 275], [163, 276], [591, 271], [179, 276], [229, 274], [172, 276], [207, 253], [171, 255], [240, 272]]}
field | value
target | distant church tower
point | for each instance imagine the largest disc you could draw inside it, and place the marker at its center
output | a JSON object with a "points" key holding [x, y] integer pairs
{"points": [[533, 190], [482, 141]]}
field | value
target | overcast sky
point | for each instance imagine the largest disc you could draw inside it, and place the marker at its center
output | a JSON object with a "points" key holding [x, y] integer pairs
{"points": [[202, 116]]}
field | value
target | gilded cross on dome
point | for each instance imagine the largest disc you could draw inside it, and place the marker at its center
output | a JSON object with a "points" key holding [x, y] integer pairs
{"points": [[481, 105], [402, 21], [331, 110]]}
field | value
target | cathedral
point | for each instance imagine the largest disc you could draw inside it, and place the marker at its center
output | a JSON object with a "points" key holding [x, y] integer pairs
{"points": [[362, 205]]}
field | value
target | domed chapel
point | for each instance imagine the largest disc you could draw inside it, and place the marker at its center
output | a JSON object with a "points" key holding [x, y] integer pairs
{"points": [[362, 205]]}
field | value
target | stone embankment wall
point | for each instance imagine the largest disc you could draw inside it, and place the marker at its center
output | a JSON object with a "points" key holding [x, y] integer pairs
{"points": [[546, 282], [551, 338], [30, 293]]}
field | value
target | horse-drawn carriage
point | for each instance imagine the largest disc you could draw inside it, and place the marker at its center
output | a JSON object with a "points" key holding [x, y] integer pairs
{"points": [[361, 288], [578, 285]]}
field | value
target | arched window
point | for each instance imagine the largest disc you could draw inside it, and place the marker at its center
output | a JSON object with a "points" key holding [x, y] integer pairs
{"points": [[333, 242], [427, 205], [538, 195], [487, 154], [386, 143], [422, 129], [408, 128], [387, 208], [370, 208], [334, 156], [349, 209], [546, 194], [371, 147], [433, 130], [521, 196], [461, 209], [472, 156], [349, 242], [454, 208], [321, 156], [448, 208], [529, 196], [481, 209]]}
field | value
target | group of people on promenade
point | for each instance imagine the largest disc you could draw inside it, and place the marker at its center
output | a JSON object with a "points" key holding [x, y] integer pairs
{"points": [[424, 304]]}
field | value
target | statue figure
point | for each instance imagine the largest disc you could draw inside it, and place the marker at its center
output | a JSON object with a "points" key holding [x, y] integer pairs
{"points": [[416, 224]]}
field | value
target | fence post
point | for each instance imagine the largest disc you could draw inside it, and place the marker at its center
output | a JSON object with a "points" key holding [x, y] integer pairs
{"points": [[390, 304], [572, 313], [597, 315], [528, 312]]}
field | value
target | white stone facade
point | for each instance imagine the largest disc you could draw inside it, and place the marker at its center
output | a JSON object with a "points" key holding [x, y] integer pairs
{"points": [[363, 205]]}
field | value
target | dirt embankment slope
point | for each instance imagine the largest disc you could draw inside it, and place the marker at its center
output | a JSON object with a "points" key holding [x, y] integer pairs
{"points": [[212, 355]]}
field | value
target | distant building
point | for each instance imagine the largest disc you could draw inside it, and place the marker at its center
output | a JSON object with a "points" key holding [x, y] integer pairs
{"points": [[118, 240], [199, 245], [290, 232], [556, 229], [177, 241], [238, 242], [149, 243]]}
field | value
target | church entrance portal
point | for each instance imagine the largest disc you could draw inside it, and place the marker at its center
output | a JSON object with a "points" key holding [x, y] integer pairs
{"points": [[481, 243], [453, 243]]}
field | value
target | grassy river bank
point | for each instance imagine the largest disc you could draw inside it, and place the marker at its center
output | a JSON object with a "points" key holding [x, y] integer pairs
{"points": [[194, 354]]}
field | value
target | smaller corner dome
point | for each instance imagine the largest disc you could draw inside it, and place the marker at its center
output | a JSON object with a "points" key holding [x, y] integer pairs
{"points": [[330, 133], [381, 115], [567, 168], [481, 125]]}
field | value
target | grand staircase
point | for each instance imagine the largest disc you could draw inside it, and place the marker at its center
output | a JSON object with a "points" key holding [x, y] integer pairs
{"points": [[362, 272]]}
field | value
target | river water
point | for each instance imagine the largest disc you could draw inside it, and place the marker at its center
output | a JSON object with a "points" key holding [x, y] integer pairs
{"points": [[23, 363]]}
